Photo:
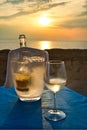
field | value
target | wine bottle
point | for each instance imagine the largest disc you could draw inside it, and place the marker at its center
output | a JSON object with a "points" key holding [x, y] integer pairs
{"points": [[22, 39]]}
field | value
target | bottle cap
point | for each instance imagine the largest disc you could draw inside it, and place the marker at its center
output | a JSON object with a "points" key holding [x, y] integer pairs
{"points": [[22, 36]]}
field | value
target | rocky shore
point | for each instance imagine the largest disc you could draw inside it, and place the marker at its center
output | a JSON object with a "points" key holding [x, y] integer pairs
{"points": [[76, 67], [75, 62], [3, 65]]}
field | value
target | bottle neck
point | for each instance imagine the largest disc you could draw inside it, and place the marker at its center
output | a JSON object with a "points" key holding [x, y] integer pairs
{"points": [[22, 42]]}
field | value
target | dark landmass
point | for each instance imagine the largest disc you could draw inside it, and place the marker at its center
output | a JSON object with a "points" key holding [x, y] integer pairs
{"points": [[76, 67], [75, 62], [3, 65]]}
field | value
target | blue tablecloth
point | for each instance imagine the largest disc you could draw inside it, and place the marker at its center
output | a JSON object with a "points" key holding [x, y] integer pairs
{"points": [[15, 114]]}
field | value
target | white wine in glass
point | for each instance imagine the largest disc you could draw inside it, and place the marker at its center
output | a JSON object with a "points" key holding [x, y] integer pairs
{"points": [[55, 79]]}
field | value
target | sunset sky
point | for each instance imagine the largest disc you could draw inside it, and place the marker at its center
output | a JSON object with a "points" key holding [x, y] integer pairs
{"points": [[44, 19]]}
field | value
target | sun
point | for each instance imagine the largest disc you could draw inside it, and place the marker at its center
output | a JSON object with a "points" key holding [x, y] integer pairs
{"points": [[45, 21]]}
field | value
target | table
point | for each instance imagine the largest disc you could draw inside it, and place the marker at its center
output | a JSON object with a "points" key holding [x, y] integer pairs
{"points": [[15, 114]]}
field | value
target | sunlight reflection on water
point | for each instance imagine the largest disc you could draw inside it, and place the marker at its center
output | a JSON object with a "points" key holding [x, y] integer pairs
{"points": [[13, 44], [45, 45]]}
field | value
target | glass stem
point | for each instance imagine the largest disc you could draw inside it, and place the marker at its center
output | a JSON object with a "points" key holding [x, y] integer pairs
{"points": [[55, 109]]}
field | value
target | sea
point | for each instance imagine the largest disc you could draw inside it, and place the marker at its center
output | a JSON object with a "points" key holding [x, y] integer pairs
{"points": [[14, 44]]}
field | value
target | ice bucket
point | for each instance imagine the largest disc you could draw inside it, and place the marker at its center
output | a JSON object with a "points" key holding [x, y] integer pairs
{"points": [[28, 68]]}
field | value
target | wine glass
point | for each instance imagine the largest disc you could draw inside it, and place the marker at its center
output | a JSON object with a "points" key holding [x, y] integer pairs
{"points": [[55, 79]]}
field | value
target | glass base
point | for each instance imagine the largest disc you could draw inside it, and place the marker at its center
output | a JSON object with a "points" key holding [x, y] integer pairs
{"points": [[55, 115], [29, 99]]}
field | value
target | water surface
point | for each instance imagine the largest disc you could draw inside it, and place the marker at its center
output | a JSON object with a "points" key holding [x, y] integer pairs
{"points": [[13, 44]]}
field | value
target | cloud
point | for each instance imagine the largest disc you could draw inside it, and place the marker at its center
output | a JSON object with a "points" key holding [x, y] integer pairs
{"points": [[3, 3], [16, 14], [15, 1], [84, 13], [57, 4], [30, 7], [85, 5], [78, 21], [75, 23], [12, 2]]}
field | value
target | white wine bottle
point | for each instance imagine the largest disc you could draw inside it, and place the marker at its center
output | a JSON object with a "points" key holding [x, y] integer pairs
{"points": [[22, 39]]}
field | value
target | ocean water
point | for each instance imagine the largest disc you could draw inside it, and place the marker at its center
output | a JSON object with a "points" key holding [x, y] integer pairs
{"points": [[13, 44]]}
